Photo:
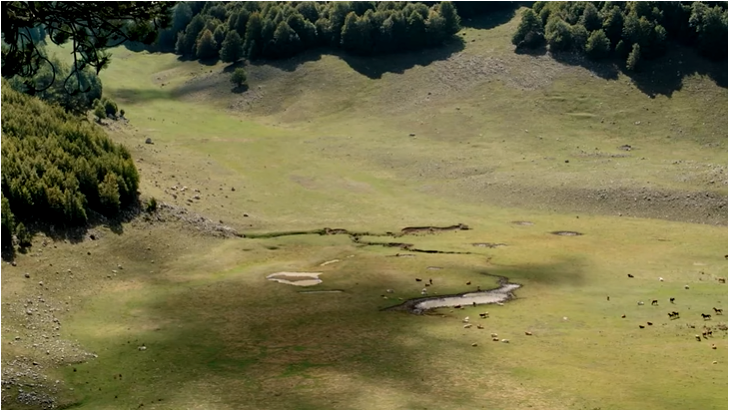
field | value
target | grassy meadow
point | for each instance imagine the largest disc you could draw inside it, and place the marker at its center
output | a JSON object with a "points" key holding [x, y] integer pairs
{"points": [[325, 141]]}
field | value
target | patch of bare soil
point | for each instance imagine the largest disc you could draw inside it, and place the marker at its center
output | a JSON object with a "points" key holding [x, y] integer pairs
{"points": [[413, 230], [296, 278], [566, 233], [487, 245], [194, 221]]}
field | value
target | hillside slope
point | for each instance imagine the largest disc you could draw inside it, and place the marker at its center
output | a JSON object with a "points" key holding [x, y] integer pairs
{"points": [[651, 146]]}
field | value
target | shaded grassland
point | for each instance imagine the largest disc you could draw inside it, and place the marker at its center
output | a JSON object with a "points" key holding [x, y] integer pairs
{"points": [[321, 145]]}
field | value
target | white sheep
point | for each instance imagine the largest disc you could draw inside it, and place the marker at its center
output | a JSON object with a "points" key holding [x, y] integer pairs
{"points": [[504, 340], [686, 287], [494, 335], [661, 279], [468, 326], [466, 319], [142, 348], [640, 303]]}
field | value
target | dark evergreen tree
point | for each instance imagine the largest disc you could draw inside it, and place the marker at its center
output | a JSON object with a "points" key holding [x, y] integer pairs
{"points": [[598, 45], [558, 34], [232, 47], [531, 26], [416, 31], [452, 20], [633, 58], [206, 47], [253, 40], [219, 35]]}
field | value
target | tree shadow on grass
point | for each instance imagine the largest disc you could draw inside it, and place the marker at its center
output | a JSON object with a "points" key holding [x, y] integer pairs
{"points": [[503, 12], [277, 340], [376, 66], [662, 76], [238, 89], [665, 75], [606, 69]]}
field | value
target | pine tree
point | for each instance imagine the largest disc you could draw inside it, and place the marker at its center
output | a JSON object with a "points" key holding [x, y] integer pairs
{"points": [[598, 45], [239, 77], [452, 20], [633, 58], [232, 48], [530, 24], [252, 42], [206, 47]]}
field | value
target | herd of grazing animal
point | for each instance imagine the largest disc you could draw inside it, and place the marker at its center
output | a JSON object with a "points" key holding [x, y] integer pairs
{"points": [[706, 333]]}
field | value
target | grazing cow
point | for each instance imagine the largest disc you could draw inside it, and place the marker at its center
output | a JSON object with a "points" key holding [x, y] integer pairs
{"points": [[418, 280], [654, 302], [484, 315], [641, 326], [698, 338], [719, 311], [623, 316], [673, 315], [474, 344], [630, 276], [528, 333], [673, 300], [705, 316], [721, 280], [457, 306], [650, 323], [427, 284]]}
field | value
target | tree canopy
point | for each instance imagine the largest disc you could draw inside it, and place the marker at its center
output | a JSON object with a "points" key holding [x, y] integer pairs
{"points": [[57, 168], [91, 27], [604, 28], [282, 29]]}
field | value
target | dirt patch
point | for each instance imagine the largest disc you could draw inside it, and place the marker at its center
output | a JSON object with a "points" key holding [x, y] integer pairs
{"points": [[566, 233], [322, 291], [487, 245], [329, 262], [413, 230], [296, 278]]}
